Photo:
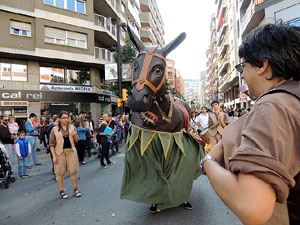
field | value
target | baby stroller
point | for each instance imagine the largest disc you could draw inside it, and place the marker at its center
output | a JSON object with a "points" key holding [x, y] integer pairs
{"points": [[114, 144], [5, 170]]}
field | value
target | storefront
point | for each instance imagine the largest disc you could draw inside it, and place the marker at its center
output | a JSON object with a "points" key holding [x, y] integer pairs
{"points": [[21, 103]]}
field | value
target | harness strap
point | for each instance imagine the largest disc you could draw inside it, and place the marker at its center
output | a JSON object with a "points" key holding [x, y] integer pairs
{"points": [[142, 80], [189, 129]]}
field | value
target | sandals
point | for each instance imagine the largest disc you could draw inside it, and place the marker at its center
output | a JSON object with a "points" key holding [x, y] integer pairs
{"points": [[77, 193], [63, 195]]}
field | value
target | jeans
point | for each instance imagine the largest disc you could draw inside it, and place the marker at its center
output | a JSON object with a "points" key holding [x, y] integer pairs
{"points": [[22, 165], [33, 140], [10, 151], [104, 153], [119, 134]]}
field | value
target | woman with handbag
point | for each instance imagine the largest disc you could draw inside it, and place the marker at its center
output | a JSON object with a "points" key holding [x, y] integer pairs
{"points": [[62, 145]]}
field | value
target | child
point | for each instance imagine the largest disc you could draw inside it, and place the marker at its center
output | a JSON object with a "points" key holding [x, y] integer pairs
{"points": [[23, 150]]}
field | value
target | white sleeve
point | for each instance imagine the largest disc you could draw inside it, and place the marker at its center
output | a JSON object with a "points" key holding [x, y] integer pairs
{"points": [[18, 149], [29, 147]]}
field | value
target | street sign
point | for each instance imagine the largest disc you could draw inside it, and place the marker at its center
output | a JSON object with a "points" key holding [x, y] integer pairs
{"points": [[243, 96], [242, 88]]}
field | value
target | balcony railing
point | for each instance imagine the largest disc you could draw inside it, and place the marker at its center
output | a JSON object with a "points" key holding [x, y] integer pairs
{"points": [[105, 23], [103, 55], [247, 16]]}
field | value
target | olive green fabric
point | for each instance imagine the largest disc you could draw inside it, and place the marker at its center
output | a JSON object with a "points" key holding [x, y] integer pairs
{"points": [[160, 167]]}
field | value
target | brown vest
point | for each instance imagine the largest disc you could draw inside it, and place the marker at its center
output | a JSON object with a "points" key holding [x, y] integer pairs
{"points": [[60, 140], [219, 128]]}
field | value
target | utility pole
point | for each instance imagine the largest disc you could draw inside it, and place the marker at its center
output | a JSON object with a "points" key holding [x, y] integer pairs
{"points": [[119, 63]]}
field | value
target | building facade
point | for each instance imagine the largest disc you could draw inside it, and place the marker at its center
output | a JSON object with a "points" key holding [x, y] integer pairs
{"points": [[179, 84], [152, 28], [53, 54], [192, 91]]}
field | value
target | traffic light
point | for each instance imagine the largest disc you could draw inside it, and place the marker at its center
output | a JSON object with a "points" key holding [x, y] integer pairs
{"points": [[124, 94], [120, 103]]}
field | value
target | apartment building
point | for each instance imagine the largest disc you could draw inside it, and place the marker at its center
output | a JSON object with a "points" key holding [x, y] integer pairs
{"points": [[171, 73], [192, 90], [254, 13], [179, 83], [152, 28], [212, 78], [53, 54]]}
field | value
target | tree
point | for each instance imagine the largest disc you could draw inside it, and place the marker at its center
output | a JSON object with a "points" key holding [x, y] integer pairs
{"points": [[128, 55]]}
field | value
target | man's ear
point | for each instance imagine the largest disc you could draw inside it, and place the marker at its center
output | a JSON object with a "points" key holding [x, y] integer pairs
{"points": [[265, 70]]}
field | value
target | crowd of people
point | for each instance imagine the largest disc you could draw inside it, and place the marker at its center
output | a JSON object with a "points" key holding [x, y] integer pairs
{"points": [[68, 139]]}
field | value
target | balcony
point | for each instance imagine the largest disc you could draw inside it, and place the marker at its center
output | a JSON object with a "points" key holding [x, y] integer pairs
{"points": [[103, 55], [251, 18], [224, 62], [109, 8], [132, 11], [224, 46], [106, 31]]}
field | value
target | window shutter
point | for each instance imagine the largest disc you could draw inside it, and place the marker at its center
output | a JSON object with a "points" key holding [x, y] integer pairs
{"points": [[55, 33], [20, 25], [77, 36]]}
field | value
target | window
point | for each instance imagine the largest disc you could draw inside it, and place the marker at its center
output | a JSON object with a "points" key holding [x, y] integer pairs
{"points": [[80, 6], [49, 2], [13, 70], [295, 22], [55, 36], [73, 5], [60, 3], [52, 75], [20, 28], [62, 75], [123, 7], [78, 77], [63, 37]]}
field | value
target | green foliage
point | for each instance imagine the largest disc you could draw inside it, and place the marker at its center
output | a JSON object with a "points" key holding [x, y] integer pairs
{"points": [[128, 53], [115, 86]]}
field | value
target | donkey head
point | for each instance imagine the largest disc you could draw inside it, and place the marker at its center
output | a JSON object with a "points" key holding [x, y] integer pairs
{"points": [[149, 72]]}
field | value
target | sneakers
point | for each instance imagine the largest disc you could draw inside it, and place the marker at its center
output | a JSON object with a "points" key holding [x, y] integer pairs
{"points": [[25, 175], [21, 176], [153, 208], [38, 164], [104, 166], [187, 205], [111, 163]]}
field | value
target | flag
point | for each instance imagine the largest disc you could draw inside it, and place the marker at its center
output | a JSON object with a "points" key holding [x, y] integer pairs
{"points": [[258, 2]]}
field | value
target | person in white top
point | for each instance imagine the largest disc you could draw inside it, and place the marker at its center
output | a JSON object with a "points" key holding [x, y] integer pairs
{"points": [[202, 119]]}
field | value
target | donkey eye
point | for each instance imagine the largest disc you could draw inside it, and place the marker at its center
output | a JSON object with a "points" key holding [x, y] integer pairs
{"points": [[136, 66], [157, 71]]}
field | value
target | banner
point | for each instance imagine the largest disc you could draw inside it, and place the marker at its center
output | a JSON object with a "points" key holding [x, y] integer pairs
{"points": [[111, 72]]}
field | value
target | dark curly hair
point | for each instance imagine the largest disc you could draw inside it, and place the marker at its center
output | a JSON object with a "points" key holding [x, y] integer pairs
{"points": [[279, 44]]}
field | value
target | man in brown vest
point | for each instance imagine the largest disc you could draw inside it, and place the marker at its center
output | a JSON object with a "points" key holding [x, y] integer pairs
{"points": [[255, 168], [217, 122]]}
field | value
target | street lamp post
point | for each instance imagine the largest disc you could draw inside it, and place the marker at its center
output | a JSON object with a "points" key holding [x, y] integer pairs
{"points": [[119, 63]]}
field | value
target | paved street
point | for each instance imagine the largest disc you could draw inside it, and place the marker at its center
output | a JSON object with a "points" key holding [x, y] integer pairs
{"points": [[35, 201]]}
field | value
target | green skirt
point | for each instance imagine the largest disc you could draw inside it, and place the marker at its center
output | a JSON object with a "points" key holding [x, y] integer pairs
{"points": [[160, 167]]}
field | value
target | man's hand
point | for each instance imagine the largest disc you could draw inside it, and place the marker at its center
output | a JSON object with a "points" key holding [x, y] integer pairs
{"points": [[20, 157], [29, 154], [55, 159], [218, 153]]}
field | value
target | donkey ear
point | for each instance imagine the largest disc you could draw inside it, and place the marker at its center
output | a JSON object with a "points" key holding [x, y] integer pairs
{"points": [[173, 44], [134, 38]]}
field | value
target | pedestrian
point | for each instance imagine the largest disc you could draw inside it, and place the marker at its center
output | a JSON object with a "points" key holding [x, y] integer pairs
{"points": [[81, 131], [193, 120], [91, 122], [13, 126], [202, 119], [255, 169], [113, 125], [23, 150], [104, 141], [217, 122], [119, 128], [32, 133], [62, 145], [44, 124], [7, 139]]}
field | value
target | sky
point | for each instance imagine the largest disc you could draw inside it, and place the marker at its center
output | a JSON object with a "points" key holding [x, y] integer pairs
{"points": [[192, 17]]}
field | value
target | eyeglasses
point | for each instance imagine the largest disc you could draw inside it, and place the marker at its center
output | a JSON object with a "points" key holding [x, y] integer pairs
{"points": [[240, 67], [5, 120]]}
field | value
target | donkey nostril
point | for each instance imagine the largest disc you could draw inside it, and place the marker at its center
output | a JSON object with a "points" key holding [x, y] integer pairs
{"points": [[146, 99]]}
